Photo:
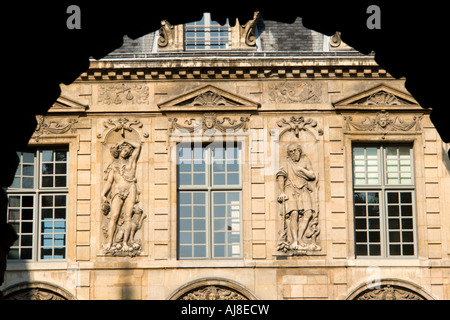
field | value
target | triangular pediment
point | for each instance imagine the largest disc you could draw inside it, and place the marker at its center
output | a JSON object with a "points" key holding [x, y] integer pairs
{"points": [[208, 98], [64, 104], [379, 97]]}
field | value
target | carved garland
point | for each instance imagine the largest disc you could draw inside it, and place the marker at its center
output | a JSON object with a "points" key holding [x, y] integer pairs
{"points": [[209, 124], [383, 122]]}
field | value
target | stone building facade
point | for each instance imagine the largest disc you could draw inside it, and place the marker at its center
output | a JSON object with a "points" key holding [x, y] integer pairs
{"points": [[256, 161]]}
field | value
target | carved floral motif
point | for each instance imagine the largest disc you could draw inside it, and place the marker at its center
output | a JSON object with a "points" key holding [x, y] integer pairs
{"points": [[213, 293], [209, 99]]}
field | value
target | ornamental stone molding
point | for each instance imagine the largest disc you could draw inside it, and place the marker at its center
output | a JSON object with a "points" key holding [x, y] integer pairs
{"points": [[304, 68]]}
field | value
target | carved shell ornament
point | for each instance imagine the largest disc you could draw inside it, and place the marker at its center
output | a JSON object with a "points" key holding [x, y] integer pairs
{"points": [[209, 99]]}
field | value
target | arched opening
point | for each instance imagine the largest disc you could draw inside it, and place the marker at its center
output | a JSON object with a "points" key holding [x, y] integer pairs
{"points": [[212, 289], [36, 291], [389, 289]]}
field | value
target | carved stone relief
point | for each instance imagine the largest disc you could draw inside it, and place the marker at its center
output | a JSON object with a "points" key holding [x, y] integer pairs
{"points": [[52, 126], [166, 34], [298, 187], [295, 92], [248, 30], [34, 294], [120, 204], [389, 292], [383, 122], [212, 293], [210, 124], [134, 93]]}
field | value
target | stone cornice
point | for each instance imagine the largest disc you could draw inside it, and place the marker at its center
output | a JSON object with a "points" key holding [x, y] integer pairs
{"points": [[234, 68]]}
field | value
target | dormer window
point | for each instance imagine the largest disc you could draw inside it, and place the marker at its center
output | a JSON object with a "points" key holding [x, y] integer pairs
{"points": [[207, 34]]}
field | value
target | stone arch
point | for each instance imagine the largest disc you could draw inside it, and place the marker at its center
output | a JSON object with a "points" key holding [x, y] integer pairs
{"points": [[389, 289], [36, 291], [212, 289]]}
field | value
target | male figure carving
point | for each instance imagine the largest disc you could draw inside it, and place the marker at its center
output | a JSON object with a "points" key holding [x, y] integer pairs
{"points": [[294, 183]]}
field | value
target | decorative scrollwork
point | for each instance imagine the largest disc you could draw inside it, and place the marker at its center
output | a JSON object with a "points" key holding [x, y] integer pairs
{"points": [[165, 33], [121, 125], [52, 127], [297, 124], [249, 30]]}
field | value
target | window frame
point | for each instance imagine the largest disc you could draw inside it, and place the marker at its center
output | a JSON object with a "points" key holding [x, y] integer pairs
{"points": [[206, 41], [38, 191], [383, 188], [209, 189]]}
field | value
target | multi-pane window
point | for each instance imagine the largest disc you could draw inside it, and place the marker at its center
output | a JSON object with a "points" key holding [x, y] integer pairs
{"points": [[383, 199], [37, 205], [209, 201], [206, 34]]}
